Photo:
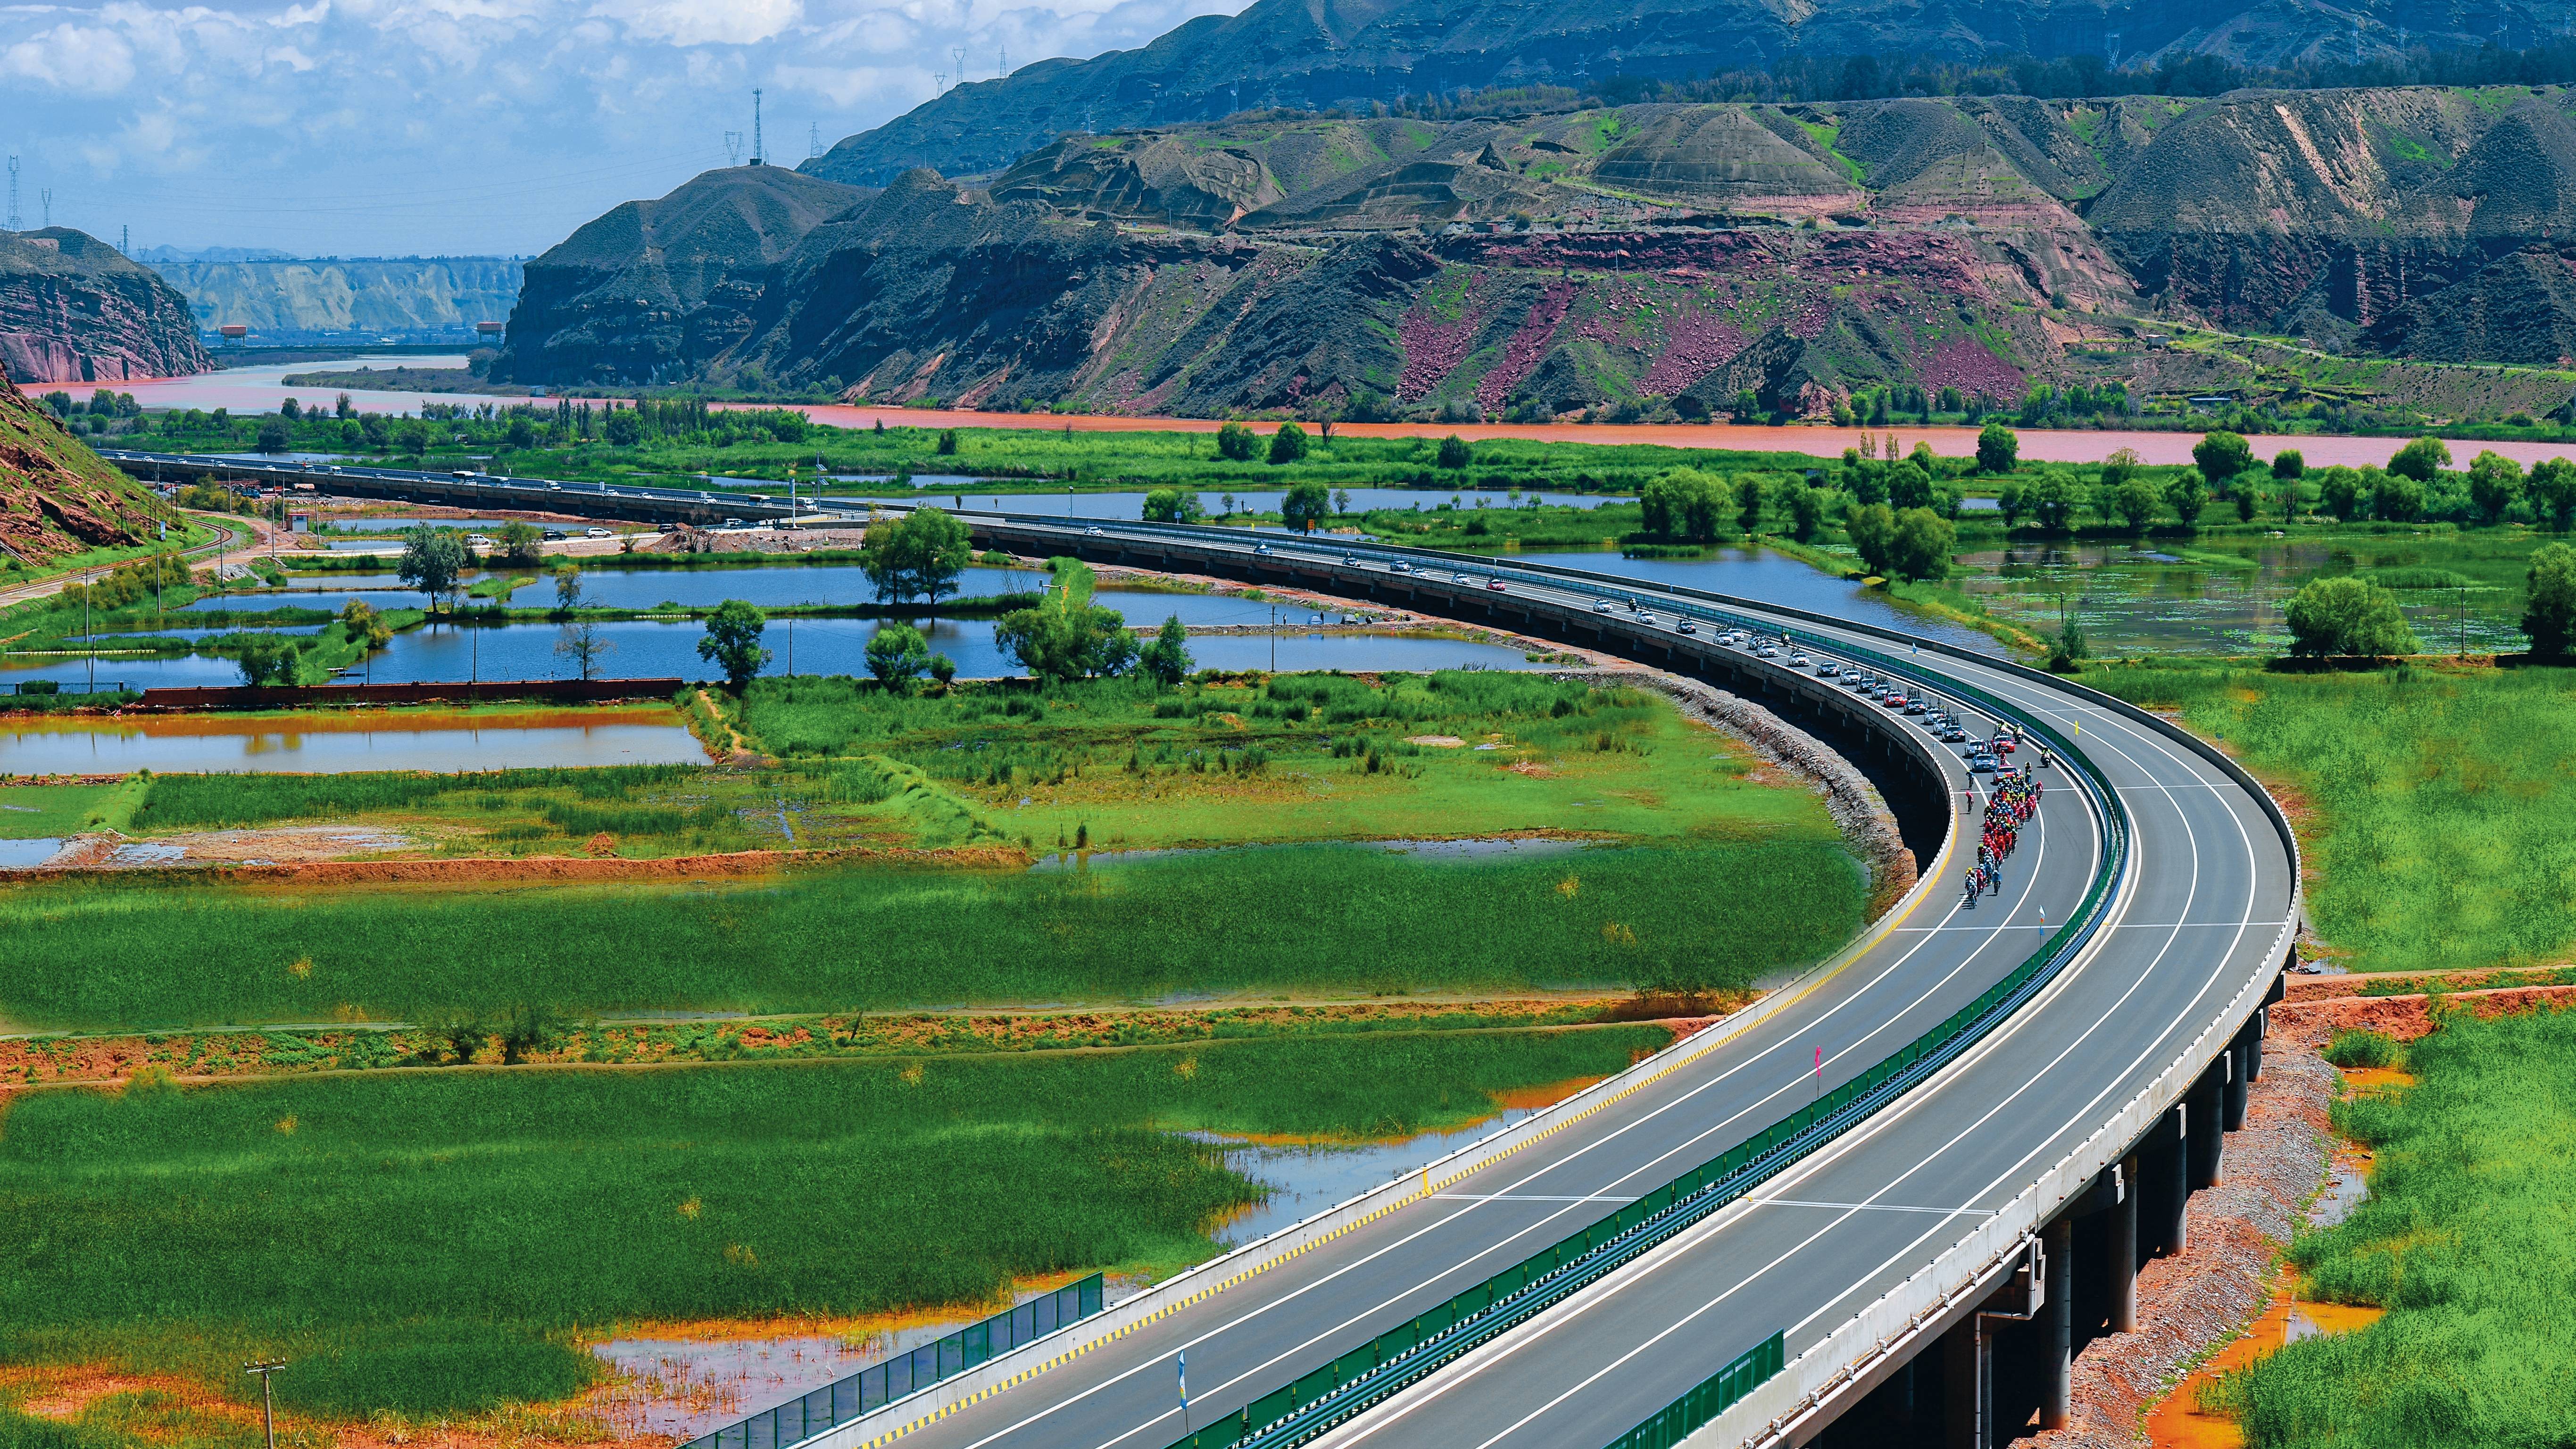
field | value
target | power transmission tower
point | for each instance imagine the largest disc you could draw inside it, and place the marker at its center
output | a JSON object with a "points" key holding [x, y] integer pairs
{"points": [[756, 149], [13, 193], [45, 199], [813, 141], [733, 148], [938, 81], [1002, 66], [958, 54]]}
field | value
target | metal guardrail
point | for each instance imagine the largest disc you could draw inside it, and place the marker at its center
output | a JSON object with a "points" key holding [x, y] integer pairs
{"points": [[1401, 1356], [1716, 1394], [878, 1385]]}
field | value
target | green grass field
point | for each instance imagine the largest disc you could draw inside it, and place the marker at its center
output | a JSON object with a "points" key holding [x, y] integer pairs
{"points": [[427, 1243], [2465, 1239], [1331, 919], [1302, 757], [2438, 814]]}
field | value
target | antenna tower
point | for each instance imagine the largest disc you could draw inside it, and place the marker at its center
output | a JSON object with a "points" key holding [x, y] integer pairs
{"points": [[13, 193], [755, 127], [125, 239]]}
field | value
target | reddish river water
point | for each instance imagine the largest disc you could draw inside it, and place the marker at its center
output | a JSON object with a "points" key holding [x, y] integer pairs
{"points": [[259, 389]]}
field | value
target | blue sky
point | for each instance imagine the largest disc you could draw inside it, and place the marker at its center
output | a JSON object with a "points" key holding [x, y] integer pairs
{"points": [[398, 127]]}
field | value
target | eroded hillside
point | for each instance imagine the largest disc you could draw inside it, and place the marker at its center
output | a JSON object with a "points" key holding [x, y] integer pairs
{"points": [[74, 309], [1653, 255], [56, 496]]}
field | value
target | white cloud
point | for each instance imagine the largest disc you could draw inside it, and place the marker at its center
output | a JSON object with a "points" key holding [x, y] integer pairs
{"points": [[82, 59], [397, 126]]}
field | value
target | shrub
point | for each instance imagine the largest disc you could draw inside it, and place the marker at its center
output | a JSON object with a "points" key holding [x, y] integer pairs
{"points": [[2364, 1049]]}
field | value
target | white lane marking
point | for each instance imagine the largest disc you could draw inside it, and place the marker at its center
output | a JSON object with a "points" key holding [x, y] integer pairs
{"points": [[1526, 1197], [2039, 847], [1876, 1207], [1549, 1325]]}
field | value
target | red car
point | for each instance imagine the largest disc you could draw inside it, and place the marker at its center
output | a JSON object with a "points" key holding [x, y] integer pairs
{"points": [[1496, 585], [2003, 744]]}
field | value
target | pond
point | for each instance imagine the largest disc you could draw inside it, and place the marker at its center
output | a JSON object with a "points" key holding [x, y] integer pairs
{"points": [[643, 648], [326, 744], [1770, 578], [2227, 595]]}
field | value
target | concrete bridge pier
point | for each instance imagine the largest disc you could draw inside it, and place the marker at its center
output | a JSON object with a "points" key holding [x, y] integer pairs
{"points": [[2204, 1109], [2120, 1251], [2162, 1189]]}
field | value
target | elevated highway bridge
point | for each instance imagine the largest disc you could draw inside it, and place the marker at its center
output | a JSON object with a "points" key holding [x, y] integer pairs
{"points": [[1882, 1206]]}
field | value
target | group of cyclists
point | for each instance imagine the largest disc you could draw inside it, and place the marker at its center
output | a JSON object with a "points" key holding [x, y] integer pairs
{"points": [[2015, 799]]}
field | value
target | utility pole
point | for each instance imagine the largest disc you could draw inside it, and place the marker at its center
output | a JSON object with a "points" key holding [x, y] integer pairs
{"points": [[267, 1402], [13, 192], [46, 199]]}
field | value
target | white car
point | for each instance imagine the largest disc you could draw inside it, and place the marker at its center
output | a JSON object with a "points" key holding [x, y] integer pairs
{"points": [[480, 540], [1801, 661], [1095, 533], [597, 533], [1601, 606]]}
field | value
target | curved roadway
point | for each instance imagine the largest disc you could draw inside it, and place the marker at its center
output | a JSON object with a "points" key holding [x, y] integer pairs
{"points": [[2202, 914]]}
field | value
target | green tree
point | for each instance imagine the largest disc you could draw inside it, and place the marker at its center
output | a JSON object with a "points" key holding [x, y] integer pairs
{"points": [[272, 438], [567, 577], [1865, 478], [2249, 500], [623, 429], [2421, 459], [1288, 444], [948, 443], [2397, 497], [2068, 650], [1872, 527], [1173, 505], [520, 541], [2012, 501], [1167, 660], [922, 554], [431, 560], [363, 625], [1305, 505], [897, 655], [2137, 502], [1681, 504], [1455, 452], [2220, 456], [1923, 543], [2052, 500], [522, 433], [1998, 449], [732, 642], [1908, 486], [2119, 468], [2495, 481], [1066, 636], [1342, 502], [266, 661], [1806, 509], [2549, 612], [1748, 504], [2339, 489], [1236, 442], [2187, 495], [2346, 617], [2288, 465], [2552, 491]]}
